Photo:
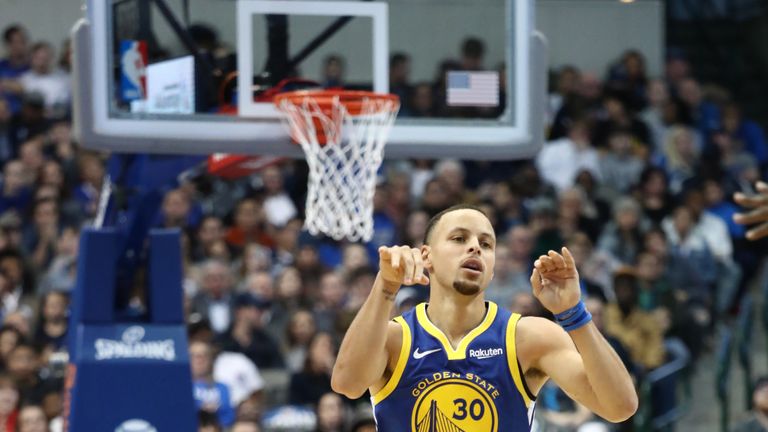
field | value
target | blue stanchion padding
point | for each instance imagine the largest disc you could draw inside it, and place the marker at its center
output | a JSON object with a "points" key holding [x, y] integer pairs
{"points": [[165, 276], [94, 295], [128, 377], [131, 378]]}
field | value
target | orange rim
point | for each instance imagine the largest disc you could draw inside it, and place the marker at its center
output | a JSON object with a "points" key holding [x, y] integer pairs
{"points": [[351, 99]]}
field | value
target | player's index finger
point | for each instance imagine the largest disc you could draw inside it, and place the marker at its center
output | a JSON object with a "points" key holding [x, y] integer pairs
{"points": [[568, 258], [557, 259], [395, 258]]}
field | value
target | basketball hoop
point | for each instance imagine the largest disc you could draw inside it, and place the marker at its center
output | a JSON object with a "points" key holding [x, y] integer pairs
{"points": [[343, 134]]}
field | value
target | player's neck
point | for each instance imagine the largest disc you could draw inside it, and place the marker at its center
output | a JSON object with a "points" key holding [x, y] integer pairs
{"points": [[455, 314]]}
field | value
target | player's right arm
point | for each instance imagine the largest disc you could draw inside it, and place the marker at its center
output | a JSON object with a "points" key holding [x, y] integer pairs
{"points": [[372, 342]]}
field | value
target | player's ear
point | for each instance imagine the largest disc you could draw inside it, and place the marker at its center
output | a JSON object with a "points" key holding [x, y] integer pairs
{"points": [[426, 257]]}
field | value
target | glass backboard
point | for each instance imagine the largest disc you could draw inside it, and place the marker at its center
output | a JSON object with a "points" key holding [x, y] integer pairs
{"points": [[197, 76]]}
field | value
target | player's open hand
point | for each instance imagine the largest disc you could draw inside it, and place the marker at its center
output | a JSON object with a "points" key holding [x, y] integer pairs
{"points": [[758, 214], [555, 281], [401, 265]]}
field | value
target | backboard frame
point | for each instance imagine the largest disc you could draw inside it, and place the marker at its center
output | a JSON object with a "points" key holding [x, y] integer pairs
{"points": [[97, 127]]}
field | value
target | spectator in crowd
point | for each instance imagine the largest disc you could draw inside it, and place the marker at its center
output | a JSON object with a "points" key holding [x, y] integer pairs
{"points": [[740, 165], [576, 213], [249, 225], [19, 294], [333, 71], [16, 191], [13, 65], [653, 194], [705, 114], [91, 179], [176, 210], [472, 54], [681, 157], [331, 413], [422, 101], [746, 131], [330, 301], [278, 206], [10, 337], [63, 267], [32, 419], [309, 385], [40, 238], [301, 329], [620, 168], [28, 122], [758, 419], [628, 77], [435, 197], [622, 237], [52, 83], [9, 402], [210, 232], [399, 79], [565, 87], [657, 96], [248, 336], [559, 161], [359, 282], [617, 116], [24, 367], [637, 330], [214, 301], [210, 396], [52, 325]]}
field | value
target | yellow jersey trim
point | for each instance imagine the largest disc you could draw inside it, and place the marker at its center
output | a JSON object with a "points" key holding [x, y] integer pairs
{"points": [[512, 358], [460, 352], [402, 360]]}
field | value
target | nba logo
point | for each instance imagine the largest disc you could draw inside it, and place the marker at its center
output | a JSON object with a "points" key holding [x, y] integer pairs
{"points": [[133, 70]]}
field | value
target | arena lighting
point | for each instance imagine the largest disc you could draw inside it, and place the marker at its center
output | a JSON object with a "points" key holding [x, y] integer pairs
{"points": [[627, 1]]}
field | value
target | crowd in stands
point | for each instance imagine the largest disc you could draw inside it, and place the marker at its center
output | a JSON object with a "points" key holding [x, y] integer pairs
{"points": [[635, 178]]}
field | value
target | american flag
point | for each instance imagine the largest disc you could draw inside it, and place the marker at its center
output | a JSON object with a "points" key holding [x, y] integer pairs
{"points": [[473, 88]]}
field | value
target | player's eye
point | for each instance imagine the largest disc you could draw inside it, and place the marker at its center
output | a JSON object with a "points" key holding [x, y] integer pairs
{"points": [[486, 245], [459, 239]]}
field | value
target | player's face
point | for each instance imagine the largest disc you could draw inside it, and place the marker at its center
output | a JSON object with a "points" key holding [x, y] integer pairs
{"points": [[462, 251]]}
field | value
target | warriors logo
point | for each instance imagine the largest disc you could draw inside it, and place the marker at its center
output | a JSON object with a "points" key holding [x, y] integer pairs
{"points": [[454, 405]]}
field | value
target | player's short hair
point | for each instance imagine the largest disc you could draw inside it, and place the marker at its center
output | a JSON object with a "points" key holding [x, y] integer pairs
{"points": [[436, 218]]}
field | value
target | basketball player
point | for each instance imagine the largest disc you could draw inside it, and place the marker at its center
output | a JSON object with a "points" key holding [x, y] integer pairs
{"points": [[459, 363], [759, 213]]}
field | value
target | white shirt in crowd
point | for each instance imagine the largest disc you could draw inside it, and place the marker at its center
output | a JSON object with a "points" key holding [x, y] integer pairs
{"points": [[559, 161], [55, 87], [239, 374]]}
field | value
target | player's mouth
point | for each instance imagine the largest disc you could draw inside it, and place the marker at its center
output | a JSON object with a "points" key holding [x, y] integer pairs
{"points": [[473, 266]]}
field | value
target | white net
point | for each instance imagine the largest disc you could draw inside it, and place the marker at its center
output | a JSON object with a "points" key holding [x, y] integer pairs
{"points": [[344, 148]]}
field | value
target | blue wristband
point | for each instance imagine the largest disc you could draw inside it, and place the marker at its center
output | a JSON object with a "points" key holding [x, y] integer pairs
{"points": [[569, 313], [574, 318], [584, 320]]}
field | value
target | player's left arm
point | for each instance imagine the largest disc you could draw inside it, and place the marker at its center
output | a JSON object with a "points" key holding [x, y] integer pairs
{"points": [[580, 361]]}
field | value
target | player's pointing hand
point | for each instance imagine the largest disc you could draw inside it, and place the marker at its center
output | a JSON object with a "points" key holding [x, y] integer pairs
{"points": [[401, 265]]}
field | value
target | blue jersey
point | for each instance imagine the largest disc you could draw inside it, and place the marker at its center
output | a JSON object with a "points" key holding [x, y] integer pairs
{"points": [[477, 387]]}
